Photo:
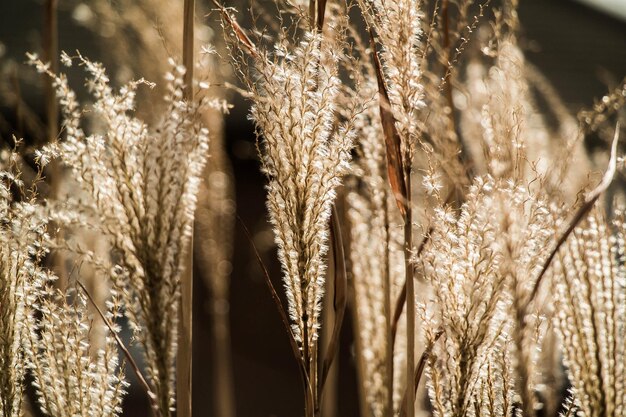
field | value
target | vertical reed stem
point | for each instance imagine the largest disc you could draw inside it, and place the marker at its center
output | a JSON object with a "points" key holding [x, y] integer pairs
{"points": [[464, 156], [53, 171], [328, 400], [188, 46], [50, 52], [410, 296], [214, 200], [185, 345], [388, 316], [364, 409]]}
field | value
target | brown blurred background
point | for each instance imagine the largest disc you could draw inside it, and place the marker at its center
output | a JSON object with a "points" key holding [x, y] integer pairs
{"points": [[581, 51]]}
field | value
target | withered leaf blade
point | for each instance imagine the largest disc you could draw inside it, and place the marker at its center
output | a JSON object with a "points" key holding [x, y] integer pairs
{"points": [[238, 31], [131, 361], [419, 370], [321, 12], [401, 300], [279, 305], [581, 213], [340, 294], [395, 168]]}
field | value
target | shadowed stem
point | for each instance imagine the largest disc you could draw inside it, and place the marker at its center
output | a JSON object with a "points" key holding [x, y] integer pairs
{"points": [[419, 370], [364, 409], [389, 328], [308, 393], [142, 380], [339, 291], [53, 171], [185, 335], [50, 50], [410, 296], [581, 213]]}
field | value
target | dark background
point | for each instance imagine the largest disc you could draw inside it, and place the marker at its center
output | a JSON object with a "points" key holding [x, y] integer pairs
{"points": [[579, 49]]}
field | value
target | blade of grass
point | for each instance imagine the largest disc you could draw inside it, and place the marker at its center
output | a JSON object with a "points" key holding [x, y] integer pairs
{"points": [[395, 169], [321, 12], [188, 46], [184, 357], [238, 30], [419, 370], [279, 305], [142, 380], [401, 301], [580, 214], [340, 297], [283, 316], [364, 409], [317, 10]]}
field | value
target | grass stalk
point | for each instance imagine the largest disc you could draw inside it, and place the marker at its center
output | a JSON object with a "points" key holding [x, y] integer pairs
{"points": [[131, 361], [50, 52], [364, 409], [388, 317], [419, 370], [185, 333], [410, 295], [580, 214], [464, 156], [50, 55], [328, 401]]}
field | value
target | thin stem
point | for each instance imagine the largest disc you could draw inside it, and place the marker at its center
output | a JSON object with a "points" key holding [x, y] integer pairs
{"points": [[410, 296], [388, 318], [339, 296], [329, 379], [308, 395], [419, 370], [447, 85], [188, 45], [401, 300], [142, 380], [360, 361], [50, 49], [581, 213], [184, 355], [53, 171]]}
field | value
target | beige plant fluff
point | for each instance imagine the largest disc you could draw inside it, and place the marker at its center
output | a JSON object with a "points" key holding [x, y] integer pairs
{"points": [[304, 156], [398, 28], [463, 265], [22, 245], [58, 349], [376, 257], [589, 281], [143, 183], [41, 330]]}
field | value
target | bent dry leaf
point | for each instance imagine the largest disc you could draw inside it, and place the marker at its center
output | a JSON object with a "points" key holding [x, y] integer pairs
{"points": [[582, 211], [142, 380], [321, 12], [395, 166], [401, 300], [419, 370], [238, 30], [340, 295], [273, 293]]}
